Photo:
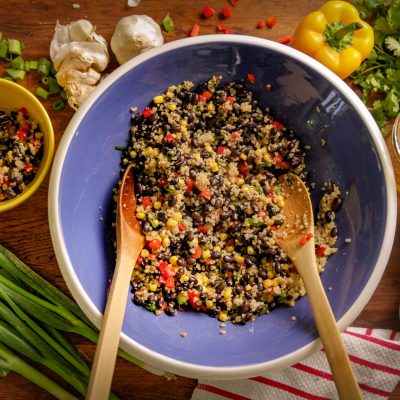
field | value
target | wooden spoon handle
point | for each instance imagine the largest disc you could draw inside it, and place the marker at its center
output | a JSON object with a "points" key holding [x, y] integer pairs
{"points": [[107, 346], [338, 359]]}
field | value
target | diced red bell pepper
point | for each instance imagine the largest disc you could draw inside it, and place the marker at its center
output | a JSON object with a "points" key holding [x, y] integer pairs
{"points": [[206, 193], [251, 78], [287, 39], [271, 21], [235, 134], [305, 238], [170, 282], [278, 159], [230, 100], [221, 27], [189, 184], [194, 297], [197, 252], [195, 30], [153, 244], [21, 135], [208, 12], [226, 12], [220, 149], [243, 169], [206, 94], [28, 167], [26, 125], [202, 228], [23, 111], [139, 261], [169, 138], [320, 251], [261, 24], [200, 99], [147, 202], [228, 31], [147, 112], [182, 227], [277, 125]]}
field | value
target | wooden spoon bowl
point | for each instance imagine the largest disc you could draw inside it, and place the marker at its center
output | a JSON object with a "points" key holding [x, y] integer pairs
{"points": [[296, 238]]}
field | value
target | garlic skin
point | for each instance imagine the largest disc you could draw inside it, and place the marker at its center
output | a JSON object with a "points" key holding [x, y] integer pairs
{"points": [[79, 55], [134, 34]]}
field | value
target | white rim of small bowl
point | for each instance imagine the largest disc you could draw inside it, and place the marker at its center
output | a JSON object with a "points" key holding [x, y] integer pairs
{"points": [[169, 364]]}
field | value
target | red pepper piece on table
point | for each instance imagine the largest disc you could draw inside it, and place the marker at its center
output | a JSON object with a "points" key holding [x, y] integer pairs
{"points": [[251, 78], [285, 39], [271, 21], [195, 30], [226, 12], [208, 12], [261, 24]]}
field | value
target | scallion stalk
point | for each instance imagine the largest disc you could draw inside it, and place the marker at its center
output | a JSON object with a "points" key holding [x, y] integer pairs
{"points": [[43, 93], [16, 74], [18, 63], [14, 47], [44, 66], [58, 105], [3, 48], [54, 87]]}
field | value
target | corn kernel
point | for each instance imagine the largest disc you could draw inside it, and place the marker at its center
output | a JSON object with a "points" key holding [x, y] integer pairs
{"points": [[209, 304], [271, 274], [258, 152], [181, 183], [153, 287], [166, 242], [279, 201], [184, 278], [217, 248], [144, 253], [204, 279], [179, 196], [183, 129], [229, 249], [171, 106], [243, 157], [177, 216], [208, 148], [276, 291], [223, 236], [173, 260], [249, 211], [206, 254], [140, 215], [266, 157], [154, 223], [227, 293], [157, 205], [183, 122], [275, 281], [172, 223], [267, 283], [240, 181], [210, 107], [170, 95], [239, 259], [250, 250], [133, 153], [148, 151], [158, 99], [223, 316], [214, 167]]}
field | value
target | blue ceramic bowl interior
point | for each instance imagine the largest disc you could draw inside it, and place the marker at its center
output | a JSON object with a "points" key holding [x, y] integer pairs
{"points": [[301, 97]]}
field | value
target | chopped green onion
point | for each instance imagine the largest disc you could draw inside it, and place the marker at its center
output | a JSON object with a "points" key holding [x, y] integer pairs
{"points": [[52, 69], [120, 148], [58, 105], [7, 78], [168, 24], [43, 93], [44, 66], [45, 80], [14, 47], [33, 64], [54, 87], [63, 94], [3, 48], [16, 74], [18, 63]]}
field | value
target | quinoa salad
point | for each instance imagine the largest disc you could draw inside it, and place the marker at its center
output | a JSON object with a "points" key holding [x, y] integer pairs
{"points": [[206, 162], [21, 150]]}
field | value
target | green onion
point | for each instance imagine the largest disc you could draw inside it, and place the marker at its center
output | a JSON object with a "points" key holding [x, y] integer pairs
{"points": [[44, 66], [43, 93], [16, 74], [14, 47], [58, 105], [33, 64], [120, 148], [53, 69], [168, 24], [63, 94], [54, 87], [18, 63], [45, 80]]}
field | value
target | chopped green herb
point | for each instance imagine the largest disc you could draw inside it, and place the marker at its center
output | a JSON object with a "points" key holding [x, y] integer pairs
{"points": [[16, 74], [43, 93], [168, 24], [120, 148]]}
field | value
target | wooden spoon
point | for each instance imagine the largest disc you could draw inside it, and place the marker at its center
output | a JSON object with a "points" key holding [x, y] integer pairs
{"points": [[296, 238], [130, 242]]}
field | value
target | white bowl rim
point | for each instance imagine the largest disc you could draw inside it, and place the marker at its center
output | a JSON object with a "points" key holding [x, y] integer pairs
{"points": [[169, 364]]}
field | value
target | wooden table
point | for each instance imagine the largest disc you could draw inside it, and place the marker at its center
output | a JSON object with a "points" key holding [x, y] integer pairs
{"points": [[25, 230]]}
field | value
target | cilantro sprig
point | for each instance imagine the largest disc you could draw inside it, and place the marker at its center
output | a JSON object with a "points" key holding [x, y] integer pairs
{"points": [[379, 75]]}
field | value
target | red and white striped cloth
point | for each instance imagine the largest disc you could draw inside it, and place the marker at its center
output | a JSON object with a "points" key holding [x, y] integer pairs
{"points": [[374, 354]]}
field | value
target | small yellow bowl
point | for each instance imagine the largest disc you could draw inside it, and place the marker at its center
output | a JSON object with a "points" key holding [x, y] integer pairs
{"points": [[13, 97]]}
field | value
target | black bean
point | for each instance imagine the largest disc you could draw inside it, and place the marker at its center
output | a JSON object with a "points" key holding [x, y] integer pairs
{"points": [[334, 232], [162, 216], [190, 236], [262, 274], [215, 255], [191, 261], [245, 307], [172, 200], [228, 259], [147, 227], [335, 204], [328, 216], [192, 174], [218, 203]]}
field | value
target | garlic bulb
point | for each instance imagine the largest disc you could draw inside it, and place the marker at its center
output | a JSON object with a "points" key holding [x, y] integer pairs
{"points": [[79, 55], [134, 34]]}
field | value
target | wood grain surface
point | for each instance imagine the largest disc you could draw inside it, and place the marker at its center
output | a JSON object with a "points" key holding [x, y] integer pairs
{"points": [[25, 229]]}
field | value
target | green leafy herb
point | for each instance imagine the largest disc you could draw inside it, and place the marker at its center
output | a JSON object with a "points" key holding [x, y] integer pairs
{"points": [[168, 24], [379, 75]]}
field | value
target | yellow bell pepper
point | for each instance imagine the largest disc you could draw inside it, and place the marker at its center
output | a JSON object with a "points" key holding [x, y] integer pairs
{"points": [[335, 36]]}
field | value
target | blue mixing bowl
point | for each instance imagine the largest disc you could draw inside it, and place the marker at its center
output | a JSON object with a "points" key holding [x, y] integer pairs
{"points": [[306, 97]]}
